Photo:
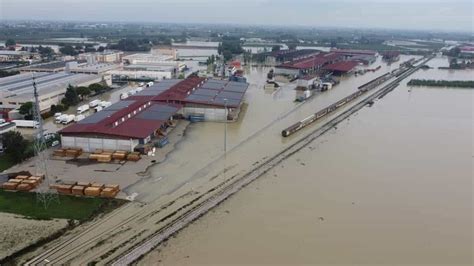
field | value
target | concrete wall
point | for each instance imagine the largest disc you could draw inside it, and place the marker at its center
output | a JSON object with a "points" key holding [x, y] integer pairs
{"points": [[91, 144], [210, 114]]}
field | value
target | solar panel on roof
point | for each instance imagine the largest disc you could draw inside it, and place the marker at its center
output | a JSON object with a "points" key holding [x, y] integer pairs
{"points": [[213, 86], [119, 105], [230, 95], [97, 117], [236, 88], [162, 108], [150, 92], [230, 102], [205, 92], [154, 116], [200, 98], [217, 81], [158, 112]]}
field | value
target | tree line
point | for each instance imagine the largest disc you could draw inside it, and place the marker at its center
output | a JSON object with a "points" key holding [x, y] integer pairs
{"points": [[442, 83]]}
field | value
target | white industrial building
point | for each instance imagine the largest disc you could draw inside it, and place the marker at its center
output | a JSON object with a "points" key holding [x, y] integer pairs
{"points": [[18, 89]]}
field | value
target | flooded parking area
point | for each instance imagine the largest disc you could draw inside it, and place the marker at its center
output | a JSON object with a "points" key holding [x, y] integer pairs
{"points": [[391, 185]]}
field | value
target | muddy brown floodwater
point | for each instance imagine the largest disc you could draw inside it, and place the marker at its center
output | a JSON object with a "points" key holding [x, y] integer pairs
{"points": [[391, 185]]}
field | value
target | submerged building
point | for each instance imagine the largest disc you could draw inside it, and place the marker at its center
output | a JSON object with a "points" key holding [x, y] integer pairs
{"points": [[144, 116]]}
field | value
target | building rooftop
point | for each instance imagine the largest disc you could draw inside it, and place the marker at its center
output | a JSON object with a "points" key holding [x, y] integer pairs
{"points": [[353, 52], [141, 114], [57, 65], [314, 61], [22, 84], [344, 66], [137, 118]]}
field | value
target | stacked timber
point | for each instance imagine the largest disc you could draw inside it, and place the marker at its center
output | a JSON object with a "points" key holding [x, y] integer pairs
{"points": [[32, 183], [133, 156], [84, 184], [14, 180], [98, 185], [104, 158], [113, 186], [92, 191], [73, 152], [59, 153], [64, 189], [37, 178], [10, 185], [78, 190], [109, 192], [24, 187], [22, 177], [119, 155]]}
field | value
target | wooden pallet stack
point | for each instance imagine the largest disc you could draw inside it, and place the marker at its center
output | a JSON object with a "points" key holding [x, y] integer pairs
{"points": [[23, 183], [88, 189], [68, 152]]}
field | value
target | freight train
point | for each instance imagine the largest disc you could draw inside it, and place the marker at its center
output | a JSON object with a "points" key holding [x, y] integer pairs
{"points": [[400, 74]]}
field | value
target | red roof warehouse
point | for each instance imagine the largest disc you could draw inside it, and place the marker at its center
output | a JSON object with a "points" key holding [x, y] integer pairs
{"points": [[141, 116]]}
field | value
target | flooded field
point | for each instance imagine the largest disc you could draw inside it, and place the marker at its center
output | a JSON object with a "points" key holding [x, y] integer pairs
{"points": [[391, 185]]}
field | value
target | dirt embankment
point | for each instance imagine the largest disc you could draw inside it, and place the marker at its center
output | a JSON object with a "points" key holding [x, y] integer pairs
{"points": [[18, 232]]}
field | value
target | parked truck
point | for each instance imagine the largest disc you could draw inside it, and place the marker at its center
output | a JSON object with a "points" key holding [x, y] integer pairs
{"points": [[26, 123], [59, 119], [105, 104], [68, 119], [83, 108], [94, 103]]}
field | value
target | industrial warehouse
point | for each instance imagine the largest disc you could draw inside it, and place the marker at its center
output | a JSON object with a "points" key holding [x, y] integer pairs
{"points": [[147, 115], [17, 90]]}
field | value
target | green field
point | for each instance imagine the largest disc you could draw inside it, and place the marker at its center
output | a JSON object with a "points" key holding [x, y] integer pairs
{"points": [[5, 162], [67, 207]]}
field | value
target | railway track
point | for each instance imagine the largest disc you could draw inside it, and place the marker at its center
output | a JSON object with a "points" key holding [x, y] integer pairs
{"points": [[202, 208]]}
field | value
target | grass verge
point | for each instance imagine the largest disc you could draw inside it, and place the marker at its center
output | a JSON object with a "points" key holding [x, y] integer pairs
{"points": [[67, 207], [5, 162]]}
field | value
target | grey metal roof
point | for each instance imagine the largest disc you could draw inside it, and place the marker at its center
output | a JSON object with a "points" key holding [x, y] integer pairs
{"points": [[119, 105], [212, 86], [205, 92], [231, 95], [158, 112], [97, 117]]}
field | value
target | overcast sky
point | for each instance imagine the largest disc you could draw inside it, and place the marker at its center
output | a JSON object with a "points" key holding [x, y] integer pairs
{"points": [[399, 14]]}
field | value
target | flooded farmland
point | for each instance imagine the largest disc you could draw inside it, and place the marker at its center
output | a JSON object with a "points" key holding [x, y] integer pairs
{"points": [[390, 185]]}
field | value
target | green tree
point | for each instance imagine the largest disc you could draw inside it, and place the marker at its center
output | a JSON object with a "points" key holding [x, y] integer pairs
{"points": [[276, 48], [10, 42], [16, 146], [26, 109], [97, 88], [71, 97], [45, 51], [68, 50], [83, 92]]}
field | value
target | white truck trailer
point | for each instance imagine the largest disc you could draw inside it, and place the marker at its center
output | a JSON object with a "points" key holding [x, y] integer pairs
{"points": [[26, 123], [83, 108]]}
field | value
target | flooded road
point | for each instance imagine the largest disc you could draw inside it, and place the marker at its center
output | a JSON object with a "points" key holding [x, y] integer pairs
{"points": [[391, 185]]}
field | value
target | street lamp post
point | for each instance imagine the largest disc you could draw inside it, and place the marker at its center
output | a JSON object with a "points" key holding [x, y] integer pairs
{"points": [[225, 135], [225, 127]]}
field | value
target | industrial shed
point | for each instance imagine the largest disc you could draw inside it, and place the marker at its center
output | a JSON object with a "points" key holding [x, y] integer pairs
{"points": [[146, 115], [122, 126]]}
